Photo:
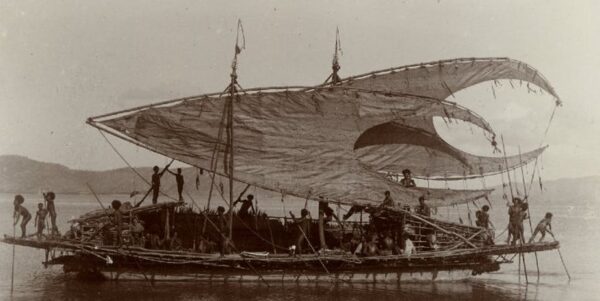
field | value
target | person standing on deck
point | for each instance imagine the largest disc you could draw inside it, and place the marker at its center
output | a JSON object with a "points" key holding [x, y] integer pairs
{"points": [[515, 222], [483, 218], [179, 180], [49, 198], [21, 211], [483, 221], [223, 225], [40, 220], [244, 211], [407, 181], [155, 184], [117, 219], [304, 226]]}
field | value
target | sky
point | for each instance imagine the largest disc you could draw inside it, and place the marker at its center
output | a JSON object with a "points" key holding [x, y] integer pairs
{"points": [[64, 61]]}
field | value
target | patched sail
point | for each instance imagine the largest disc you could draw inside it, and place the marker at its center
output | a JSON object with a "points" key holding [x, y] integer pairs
{"points": [[296, 142], [334, 141]]}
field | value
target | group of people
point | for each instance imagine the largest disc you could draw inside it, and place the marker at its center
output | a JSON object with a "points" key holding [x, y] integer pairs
{"points": [[156, 182], [517, 213], [44, 209]]}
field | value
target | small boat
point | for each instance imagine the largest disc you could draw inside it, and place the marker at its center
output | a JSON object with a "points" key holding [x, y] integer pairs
{"points": [[343, 142]]}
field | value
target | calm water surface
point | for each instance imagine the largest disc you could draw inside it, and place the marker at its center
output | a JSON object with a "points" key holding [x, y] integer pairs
{"points": [[576, 227]]}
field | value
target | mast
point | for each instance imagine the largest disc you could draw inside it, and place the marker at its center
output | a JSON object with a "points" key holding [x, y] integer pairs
{"points": [[335, 65], [232, 91]]}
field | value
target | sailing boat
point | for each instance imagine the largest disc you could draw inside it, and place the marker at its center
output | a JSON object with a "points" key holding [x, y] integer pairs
{"points": [[331, 143]]}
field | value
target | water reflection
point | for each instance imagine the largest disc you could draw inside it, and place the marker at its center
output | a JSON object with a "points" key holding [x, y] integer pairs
{"points": [[70, 288]]}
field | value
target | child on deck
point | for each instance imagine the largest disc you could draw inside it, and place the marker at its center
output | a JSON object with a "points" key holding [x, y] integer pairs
{"points": [[543, 226], [40, 220]]}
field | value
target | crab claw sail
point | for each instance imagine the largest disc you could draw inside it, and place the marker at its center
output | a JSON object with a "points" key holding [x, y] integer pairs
{"points": [[440, 80], [295, 142], [332, 141]]}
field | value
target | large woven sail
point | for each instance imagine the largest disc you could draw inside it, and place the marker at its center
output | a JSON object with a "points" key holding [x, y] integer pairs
{"points": [[296, 142], [334, 142], [440, 80], [444, 78]]}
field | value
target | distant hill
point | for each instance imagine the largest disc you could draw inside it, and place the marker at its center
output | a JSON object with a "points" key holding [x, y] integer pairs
{"points": [[19, 174]]}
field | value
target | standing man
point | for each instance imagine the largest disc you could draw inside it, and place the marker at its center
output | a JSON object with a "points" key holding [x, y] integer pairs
{"points": [[223, 227], [21, 211], [244, 211], [179, 180], [303, 225], [117, 219], [49, 198], [515, 222], [155, 184], [40, 220]]}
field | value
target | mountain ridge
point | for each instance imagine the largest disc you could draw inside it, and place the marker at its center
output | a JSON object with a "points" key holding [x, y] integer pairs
{"points": [[19, 174]]}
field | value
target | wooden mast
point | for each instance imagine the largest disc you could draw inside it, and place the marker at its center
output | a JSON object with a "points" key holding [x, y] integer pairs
{"points": [[232, 92]]}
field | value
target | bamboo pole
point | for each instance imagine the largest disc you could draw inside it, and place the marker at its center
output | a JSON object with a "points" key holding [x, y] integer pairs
{"points": [[506, 166], [537, 265], [440, 228], [511, 192], [214, 161], [561, 259], [95, 196], [12, 267], [313, 249]]}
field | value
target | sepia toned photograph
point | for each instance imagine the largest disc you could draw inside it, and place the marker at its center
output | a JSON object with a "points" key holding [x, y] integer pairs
{"points": [[299, 150]]}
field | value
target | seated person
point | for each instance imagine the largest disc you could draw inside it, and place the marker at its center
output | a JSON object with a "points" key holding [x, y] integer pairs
{"points": [[409, 247], [137, 232], [370, 248], [407, 181], [387, 201], [387, 244], [423, 209], [175, 243]]}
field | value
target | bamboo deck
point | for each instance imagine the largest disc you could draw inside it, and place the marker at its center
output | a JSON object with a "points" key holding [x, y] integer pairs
{"points": [[88, 256]]}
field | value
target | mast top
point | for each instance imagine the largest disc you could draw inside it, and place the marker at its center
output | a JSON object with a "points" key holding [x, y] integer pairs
{"points": [[334, 78], [238, 49]]}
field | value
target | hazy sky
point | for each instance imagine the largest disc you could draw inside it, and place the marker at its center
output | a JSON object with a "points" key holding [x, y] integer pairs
{"points": [[64, 61]]}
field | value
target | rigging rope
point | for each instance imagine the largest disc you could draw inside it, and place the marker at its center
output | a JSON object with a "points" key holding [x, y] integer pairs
{"points": [[131, 167]]}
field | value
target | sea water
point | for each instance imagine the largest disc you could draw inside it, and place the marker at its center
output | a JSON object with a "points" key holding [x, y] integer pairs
{"points": [[575, 225]]}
